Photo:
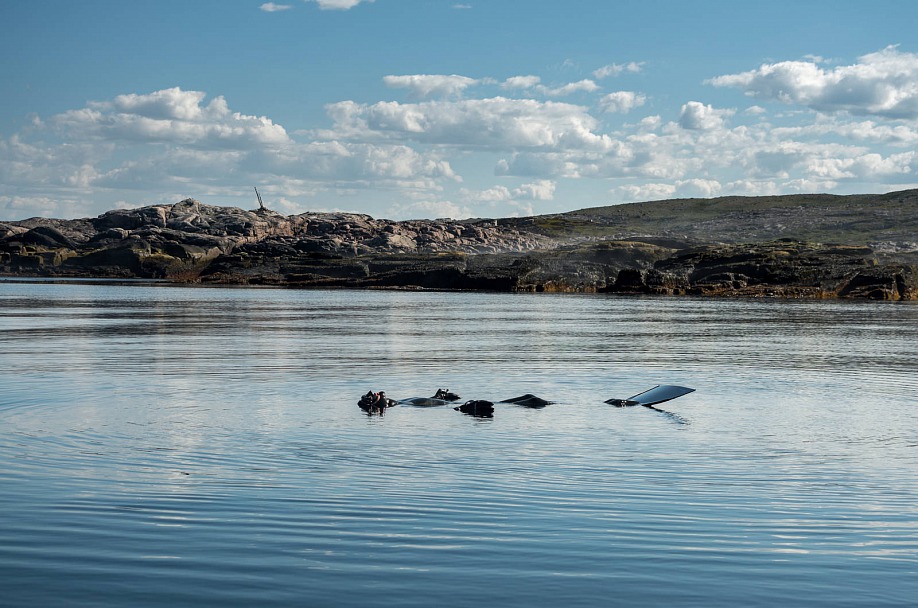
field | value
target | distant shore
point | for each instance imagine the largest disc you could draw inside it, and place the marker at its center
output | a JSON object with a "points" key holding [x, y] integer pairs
{"points": [[590, 251]]}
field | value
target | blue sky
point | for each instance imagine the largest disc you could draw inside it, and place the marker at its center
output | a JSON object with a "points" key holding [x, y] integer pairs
{"points": [[428, 108]]}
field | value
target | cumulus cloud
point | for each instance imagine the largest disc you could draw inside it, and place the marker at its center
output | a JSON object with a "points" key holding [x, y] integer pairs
{"points": [[147, 147], [621, 101], [496, 123], [171, 115], [616, 69], [696, 116], [690, 188], [521, 82], [546, 140], [698, 187], [426, 85], [586, 86], [337, 5], [644, 192], [510, 202], [869, 166], [60, 206], [868, 131], [270, 7], [178, 142], [354, 162], [540, 190], [434, 209], [883, 84], [534, 84], [494, 194]]}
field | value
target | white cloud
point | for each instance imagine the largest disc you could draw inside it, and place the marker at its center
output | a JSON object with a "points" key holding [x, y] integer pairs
{"points": [[431, 209], [587, 86], [337, 5], [650, 123], [540, 190], [808, 185], [496, 123], [870, 166], [698, 187], [354, 162], [697, 116], [884, 84], [462, 6], [173, 141], [533, 83], [146, 147], [58, 206], [171, 115], [621, 101], [746, 187], [644, 192], [553, 141], [494, 194], [616, 69], [523, 164], [521, 82], [864, 131], [270, 7], [425, 85], [690, 188]]}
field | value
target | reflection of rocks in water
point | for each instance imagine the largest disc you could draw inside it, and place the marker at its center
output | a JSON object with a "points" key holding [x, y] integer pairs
{"points": [[528, 400], [478, 408]]}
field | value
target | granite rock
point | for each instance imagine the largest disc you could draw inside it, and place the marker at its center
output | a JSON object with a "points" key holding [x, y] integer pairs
{"points": [[193, 242]]}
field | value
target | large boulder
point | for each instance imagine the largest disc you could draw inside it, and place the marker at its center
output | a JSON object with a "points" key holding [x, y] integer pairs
{"points": [[892, 282], [780, 268], [123, 260], [46, 237]]}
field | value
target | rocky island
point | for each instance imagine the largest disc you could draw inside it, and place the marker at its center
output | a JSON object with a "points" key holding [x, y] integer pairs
{"points": [[812, 246]]}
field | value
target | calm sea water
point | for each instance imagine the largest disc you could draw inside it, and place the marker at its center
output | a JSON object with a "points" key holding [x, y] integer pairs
{"points": [[164, 446]]}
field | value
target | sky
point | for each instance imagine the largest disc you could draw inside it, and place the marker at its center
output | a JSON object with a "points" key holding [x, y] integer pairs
{"points": [[405, 109]]}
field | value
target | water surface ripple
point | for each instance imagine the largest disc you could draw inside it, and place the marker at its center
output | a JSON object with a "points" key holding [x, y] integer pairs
{"points": [[166, 445]]}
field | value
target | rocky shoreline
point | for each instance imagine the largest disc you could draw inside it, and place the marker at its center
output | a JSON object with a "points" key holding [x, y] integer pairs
{"points": [[197, 243]]}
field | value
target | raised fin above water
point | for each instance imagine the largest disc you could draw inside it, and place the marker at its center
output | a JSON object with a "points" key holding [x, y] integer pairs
{"points": [[658, 394]]}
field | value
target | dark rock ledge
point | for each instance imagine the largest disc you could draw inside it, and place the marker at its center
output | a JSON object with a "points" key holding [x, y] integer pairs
{"points": [[193, 242]]}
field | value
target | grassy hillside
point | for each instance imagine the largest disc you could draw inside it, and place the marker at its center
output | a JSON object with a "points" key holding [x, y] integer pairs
{"points": [[853, 219]]}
